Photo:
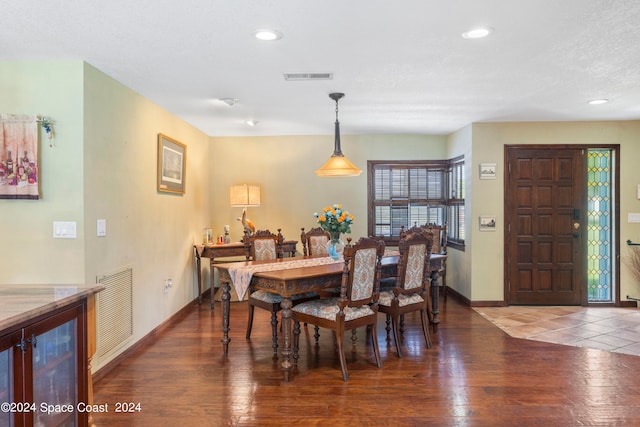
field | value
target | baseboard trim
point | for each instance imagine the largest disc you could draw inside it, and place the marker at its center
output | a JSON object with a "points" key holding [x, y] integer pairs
{"points": [[147, 339]]}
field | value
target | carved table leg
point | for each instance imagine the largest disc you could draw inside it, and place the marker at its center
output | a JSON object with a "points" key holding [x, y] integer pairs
{"points": [[435, 294], [226, 308], [212, 280], [286, 305], [199, 274]]}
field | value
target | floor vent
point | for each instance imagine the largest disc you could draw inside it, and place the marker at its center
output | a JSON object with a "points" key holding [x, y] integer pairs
{"points": [[114, 311], [308, 76]]}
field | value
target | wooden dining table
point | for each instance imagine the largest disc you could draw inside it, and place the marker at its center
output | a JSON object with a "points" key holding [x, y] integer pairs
{"points": [[289, 281]]}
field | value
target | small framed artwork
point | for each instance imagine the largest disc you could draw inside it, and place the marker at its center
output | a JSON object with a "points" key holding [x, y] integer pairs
{"points": [[172, 162], [487, 223], [487, 171]]}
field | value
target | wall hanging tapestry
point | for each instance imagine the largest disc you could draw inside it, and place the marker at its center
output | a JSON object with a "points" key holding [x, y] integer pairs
{"points": [[18, 156]]}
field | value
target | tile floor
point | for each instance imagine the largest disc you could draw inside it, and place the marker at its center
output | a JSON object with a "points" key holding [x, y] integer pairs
{"points": [[604, 328]]}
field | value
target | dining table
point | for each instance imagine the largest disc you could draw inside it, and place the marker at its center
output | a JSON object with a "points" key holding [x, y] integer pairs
{"points": [[296, 275]]}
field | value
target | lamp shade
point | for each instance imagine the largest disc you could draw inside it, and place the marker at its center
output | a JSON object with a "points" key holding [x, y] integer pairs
{"points": [[338, 166], [244, 195]]}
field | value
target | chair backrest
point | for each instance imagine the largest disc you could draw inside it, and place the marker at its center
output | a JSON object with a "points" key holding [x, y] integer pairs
{"points": [[263, 245], [361, 274], [439, 233], [314, 241], [439, 237], [415, 252]]}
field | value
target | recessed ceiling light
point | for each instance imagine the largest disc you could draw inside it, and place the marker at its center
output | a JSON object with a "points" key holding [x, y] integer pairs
{"points": [[477, 33], [598, 101], [267, 35], [251, 122]]}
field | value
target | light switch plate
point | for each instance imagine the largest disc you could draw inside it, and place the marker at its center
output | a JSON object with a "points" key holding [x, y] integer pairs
{"points": [[64, 229], [101, 228], [633, 217]]}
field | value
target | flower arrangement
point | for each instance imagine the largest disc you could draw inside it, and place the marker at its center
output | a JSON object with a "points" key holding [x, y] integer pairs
{"points": [[334, 219]]}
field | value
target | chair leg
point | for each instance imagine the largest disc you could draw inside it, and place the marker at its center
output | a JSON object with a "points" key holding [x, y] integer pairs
{"points": [[388, 325], [250, 322], [343, 360], [296, 341], [402, 323], [444, 285], [274, 331], [316, 333], [354, 337], [376, 349], [425, 327], [396, 334]]}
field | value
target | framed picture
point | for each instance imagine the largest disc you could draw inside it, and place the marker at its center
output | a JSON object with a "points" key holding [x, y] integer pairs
{"points": [[487, 223], [487, 171], [172, 162]]}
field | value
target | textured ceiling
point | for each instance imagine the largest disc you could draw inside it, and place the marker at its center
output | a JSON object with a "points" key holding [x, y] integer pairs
{"points": [[403, 65]]}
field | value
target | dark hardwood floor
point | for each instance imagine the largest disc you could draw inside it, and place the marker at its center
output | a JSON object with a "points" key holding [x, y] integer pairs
{"points": [[474, 375]]}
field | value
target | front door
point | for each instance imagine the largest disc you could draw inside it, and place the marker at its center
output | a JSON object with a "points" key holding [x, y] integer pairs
{"points": [[545, 218]]}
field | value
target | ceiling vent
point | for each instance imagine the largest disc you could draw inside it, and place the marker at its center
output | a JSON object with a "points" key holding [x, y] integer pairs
{"points": [[308, 76]]}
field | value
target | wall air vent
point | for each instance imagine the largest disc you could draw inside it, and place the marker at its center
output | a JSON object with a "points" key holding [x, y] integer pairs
{"points": [[308, 76]]}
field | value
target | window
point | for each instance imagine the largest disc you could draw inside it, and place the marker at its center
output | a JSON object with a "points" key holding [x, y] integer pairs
{"points": [[406, 193]]}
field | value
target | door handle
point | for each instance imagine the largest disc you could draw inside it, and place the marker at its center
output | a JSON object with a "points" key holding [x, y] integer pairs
{"points": [[576, 228]]}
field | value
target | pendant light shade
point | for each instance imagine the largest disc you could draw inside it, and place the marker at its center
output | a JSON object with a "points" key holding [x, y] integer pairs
{"points": [[338, 164]]}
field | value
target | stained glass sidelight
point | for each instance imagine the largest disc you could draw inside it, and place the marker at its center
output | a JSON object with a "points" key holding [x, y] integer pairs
{"points": [[599, 228]]}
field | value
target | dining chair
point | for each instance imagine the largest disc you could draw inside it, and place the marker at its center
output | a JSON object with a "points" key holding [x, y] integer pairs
{"points": [[357, 305], [410, 292], [439, 233], [264, 245], [314, 241]]}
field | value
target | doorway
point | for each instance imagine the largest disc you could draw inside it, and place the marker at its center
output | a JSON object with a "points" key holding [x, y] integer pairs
{"points": [[561, 236]]}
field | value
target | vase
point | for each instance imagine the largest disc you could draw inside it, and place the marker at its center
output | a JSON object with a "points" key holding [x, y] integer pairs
{"points": [[335, 246]]}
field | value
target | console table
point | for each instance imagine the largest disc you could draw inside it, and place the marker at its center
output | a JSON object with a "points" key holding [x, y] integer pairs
{"points": [[225, 250]]}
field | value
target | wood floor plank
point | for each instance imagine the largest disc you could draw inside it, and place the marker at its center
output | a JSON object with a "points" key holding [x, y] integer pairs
{"points": [[474, 375]]}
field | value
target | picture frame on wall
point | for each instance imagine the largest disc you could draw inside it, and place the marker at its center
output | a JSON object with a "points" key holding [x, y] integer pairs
{"points": [[487, 223], [487, 171], [172, 165]]}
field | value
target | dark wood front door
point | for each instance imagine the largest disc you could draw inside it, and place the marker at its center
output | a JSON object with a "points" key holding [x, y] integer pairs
{"points": [[544, 211]]}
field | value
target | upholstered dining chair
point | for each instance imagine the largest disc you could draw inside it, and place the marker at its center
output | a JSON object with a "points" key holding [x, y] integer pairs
{"points": [[410, 292], [439, 233], [357, 304], [263, 245], [314, 241]]}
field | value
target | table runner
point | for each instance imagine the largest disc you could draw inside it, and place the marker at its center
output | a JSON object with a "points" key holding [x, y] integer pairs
{"points": [[241, 275]]}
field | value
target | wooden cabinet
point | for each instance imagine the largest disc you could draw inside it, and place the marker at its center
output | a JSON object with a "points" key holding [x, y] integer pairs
{"points": [[43, 370]]}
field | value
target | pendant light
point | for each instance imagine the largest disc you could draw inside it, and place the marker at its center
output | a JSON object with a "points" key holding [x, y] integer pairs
{"points": [[338, 164]]}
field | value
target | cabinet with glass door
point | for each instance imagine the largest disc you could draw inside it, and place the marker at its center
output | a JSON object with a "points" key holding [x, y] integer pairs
{"points": [[45, 371]]}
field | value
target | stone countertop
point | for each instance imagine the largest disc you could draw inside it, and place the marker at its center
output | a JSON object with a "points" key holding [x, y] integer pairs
{"points": [[21, 303]]}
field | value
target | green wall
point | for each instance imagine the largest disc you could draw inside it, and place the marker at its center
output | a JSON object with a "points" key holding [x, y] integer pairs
{"points": [[28, 253], [103, 165]]}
